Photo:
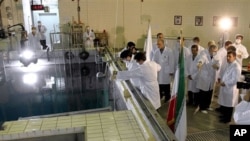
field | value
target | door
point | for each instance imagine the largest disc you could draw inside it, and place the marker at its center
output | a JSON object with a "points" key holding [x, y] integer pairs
{"points": [[51, 21]]}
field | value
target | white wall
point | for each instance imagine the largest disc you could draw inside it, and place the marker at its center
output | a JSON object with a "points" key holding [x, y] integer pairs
{"points": [[130, 19]]}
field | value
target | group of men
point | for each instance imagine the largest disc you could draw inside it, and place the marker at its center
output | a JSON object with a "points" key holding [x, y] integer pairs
{"points": [[216, 66], [204, 67]]}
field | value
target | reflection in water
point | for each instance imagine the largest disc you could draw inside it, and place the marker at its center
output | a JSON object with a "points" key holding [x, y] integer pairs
{"points": [[53, 89]]}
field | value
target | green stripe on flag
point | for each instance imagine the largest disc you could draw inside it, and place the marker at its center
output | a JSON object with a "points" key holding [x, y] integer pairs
{"points": [[181, 89]]}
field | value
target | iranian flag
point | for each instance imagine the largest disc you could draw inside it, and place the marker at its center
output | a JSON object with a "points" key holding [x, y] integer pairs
{"points": [[176, 115]]}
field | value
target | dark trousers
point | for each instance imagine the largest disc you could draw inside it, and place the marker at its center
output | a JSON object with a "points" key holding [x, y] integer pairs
{"points": [[43, 43], [193, 98], [165, 91], [226, 113], [204, 99]]}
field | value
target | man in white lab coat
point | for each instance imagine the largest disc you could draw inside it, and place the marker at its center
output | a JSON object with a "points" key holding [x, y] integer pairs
{"points": [[147, 75], [42, 30], [228, 97], [164, 56], [88, 37], [241, 50], [222, 58], [131, 64], [155, 47], [34, 39], [208, 66], [192, 72]]}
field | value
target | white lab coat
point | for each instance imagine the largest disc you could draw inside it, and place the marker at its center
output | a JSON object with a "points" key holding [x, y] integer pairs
{"points": [[34, 41], [191, 69], [242, 113], [147, 75], [132, 65], [41, 32], [206, 75], [166, 60], [242, 50], [88, 38], [228, 95]]}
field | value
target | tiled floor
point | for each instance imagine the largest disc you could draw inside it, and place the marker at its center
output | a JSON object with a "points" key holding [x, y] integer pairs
{"points": [[115, 126]]}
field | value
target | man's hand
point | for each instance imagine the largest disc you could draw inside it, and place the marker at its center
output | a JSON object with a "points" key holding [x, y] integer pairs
{"points": [[199, 65], [215, 66], [113, 77]]}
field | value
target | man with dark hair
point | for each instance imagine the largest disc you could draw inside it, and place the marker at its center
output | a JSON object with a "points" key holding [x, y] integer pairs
{"points": [[131, 64], [130, 46], [221, 56], [165, 57], [192, 71], [147, 75], [228, 97], [207, 66]]}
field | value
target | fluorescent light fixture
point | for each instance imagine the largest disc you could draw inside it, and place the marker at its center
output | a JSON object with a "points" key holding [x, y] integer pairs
{"points": [[30, 78], [225, 23]]}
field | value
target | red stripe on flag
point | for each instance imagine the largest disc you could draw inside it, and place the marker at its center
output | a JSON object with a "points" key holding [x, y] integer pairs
{"points": [[171, 113]]}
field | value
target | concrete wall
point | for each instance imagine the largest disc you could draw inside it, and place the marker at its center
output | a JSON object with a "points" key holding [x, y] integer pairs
{"points": [[129, 18]]}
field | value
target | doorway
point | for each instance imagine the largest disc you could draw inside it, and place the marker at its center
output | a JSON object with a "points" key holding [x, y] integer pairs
{"points": [[51, 21]]}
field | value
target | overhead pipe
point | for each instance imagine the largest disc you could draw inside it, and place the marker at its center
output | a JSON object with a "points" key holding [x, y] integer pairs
{"points": [[78, 10]]}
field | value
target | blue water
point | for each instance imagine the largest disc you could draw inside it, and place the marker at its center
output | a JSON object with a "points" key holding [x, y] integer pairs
{"points": [[58, 89]]}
